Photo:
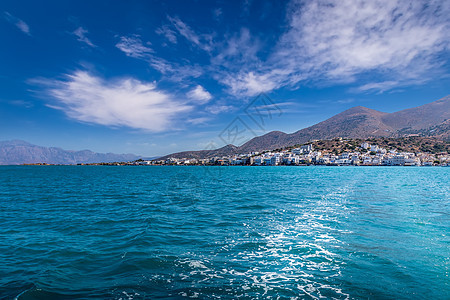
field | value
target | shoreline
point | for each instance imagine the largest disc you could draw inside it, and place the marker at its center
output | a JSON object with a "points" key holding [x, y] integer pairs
{"points": [[198, 165]]}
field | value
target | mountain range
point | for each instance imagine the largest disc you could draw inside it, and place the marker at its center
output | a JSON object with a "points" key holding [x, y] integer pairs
{"points": [[430, 120], [19, 152]]}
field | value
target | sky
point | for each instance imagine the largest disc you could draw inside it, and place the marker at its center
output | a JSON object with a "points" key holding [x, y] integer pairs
{"points": [[156, 77]]}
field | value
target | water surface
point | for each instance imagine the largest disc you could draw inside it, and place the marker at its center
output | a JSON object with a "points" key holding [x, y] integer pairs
{"points": [[92, 232]]}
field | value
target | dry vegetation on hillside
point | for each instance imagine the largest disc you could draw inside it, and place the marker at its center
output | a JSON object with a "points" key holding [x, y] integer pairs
{"points": [[405, 144]]}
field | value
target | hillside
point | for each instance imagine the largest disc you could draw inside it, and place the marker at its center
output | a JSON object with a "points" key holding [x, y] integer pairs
{"points": [[226, 150], [421, 119], [414, 144], [20, 152], [429, 120]]}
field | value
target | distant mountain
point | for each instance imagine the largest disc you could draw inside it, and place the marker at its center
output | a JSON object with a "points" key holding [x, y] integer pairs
{"points": [[429, 120], [19, 152]]}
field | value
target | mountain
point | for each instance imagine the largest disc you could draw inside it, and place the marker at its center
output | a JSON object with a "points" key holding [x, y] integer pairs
{"points": [[422, 119], [429, 120], [356, 122], [19, 152]]}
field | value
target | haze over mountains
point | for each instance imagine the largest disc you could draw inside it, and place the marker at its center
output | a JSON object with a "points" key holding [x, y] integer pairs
{"points": [[20, 152], [431, 120]]}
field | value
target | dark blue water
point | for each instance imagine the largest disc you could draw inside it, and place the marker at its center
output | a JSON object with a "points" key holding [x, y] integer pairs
{"points": [[82, 232]]}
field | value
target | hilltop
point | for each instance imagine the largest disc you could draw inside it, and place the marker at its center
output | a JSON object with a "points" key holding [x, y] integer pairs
{"points": [[430, 120]]}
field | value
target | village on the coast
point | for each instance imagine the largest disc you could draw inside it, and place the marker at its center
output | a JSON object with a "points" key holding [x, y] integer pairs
{"points": [[364, 154]]}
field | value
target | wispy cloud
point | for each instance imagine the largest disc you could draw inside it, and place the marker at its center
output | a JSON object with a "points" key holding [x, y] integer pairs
{"points": [[378, 86], [341, 40], [203, 41], [199, 94], [334, 42], [249, 84], [238, 50], [80, 33], [218, 108], [21, 103], [325, 42], [132, 46], [217, 13], [345, 101], [121, 102], [239, 65], [200, 120], [274, 106], [17, 22], [168, 33]]}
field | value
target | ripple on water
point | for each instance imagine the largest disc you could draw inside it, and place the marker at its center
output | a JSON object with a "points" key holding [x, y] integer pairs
{"points": [[306, 232]]}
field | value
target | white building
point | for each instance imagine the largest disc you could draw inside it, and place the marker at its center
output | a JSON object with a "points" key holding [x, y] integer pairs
{"points": [[303, 149], [258, 161], [296, 151], [343, 161], [344, 155], [397, 160], [306, 148], [412, 161], [275, 160]]}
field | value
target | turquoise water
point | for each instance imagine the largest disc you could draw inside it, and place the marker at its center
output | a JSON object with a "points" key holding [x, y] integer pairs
{"points": [[87, 232]]}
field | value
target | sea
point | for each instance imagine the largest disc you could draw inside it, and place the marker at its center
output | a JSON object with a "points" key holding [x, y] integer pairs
{"points": [[181, 232]]}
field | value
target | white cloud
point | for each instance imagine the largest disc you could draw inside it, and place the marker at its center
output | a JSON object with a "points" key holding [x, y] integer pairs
{"points": [[326, 42], [380, 86], [249, 84], [336, 42], [239, 50], [132, 46], [203, 41], [168, 33], [23, 26], [349, 37], [80, 33], [339, 40], [199, 94], [241, 70], [217, 109], [123, 102], [17, 22], [198, 121]]}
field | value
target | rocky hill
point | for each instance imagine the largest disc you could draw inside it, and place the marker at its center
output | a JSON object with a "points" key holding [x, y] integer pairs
{"points": [[429, 120], [414, 144]]}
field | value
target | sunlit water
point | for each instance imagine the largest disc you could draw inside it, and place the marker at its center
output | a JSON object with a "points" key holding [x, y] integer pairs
{"points": [[81, 232]]}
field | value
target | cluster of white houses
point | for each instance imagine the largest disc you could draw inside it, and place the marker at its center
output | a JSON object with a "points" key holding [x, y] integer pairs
{"points": [[366, 154]]}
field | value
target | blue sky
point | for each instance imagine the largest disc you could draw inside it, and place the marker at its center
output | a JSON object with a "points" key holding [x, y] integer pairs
{"points": [[155, 77]]}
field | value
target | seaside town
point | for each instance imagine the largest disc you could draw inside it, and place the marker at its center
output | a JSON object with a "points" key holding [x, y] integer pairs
{"points": [[364, 154], [334, 152]]}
